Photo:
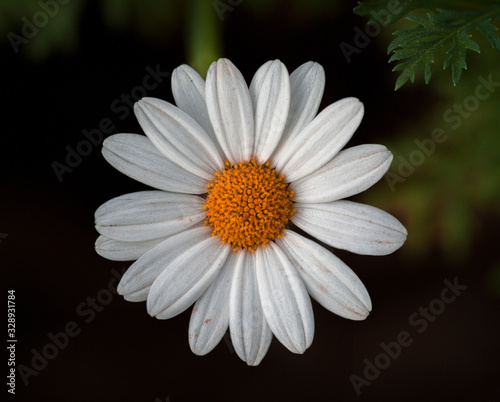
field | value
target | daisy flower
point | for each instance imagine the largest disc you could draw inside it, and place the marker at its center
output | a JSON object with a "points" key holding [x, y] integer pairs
{"points": [[234, 167]]}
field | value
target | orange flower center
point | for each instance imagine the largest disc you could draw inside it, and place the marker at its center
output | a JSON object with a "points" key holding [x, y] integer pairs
{"points": [[248, 205]]}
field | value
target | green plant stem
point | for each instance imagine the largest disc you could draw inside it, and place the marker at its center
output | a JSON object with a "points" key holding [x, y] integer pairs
{"points": [[203, 35]]}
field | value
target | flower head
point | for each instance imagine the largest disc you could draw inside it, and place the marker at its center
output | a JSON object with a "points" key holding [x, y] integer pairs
{"points": [[234, 167]]}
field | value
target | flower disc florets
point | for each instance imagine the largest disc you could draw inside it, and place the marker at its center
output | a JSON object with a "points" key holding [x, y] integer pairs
{"points": [[248, 204]]}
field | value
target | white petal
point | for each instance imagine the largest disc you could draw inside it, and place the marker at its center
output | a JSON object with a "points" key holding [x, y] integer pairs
{"points": [[328, 280], [321, 140], [210, 316], [351, 226], [117, 250], [139, 296], [148, 215], [188, 89], [270, 93], [137, 157], [178, 137], [307, 84], [230, 110], [146, 269], [286, 304], [350, 172], [250, 333], [186, 278]]}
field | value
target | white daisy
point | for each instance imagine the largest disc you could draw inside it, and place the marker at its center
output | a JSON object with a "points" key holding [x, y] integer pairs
{"points": [[234, 167]]}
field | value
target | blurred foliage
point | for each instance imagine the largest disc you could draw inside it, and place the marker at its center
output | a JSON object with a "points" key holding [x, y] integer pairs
{"points": [[439, 29], [54, 27], [38, 29], [56, 24], [151, 19], [202, 20], [446, 194]]}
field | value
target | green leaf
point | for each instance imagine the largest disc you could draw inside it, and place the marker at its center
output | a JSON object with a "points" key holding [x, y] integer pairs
{"points": [[489, 32], [445, 29]]}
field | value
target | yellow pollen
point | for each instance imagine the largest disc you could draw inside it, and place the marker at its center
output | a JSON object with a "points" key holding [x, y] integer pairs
{"points": [[248, 205]]}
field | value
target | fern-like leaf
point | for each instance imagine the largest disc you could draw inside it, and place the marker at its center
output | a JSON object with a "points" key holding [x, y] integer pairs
{"points": [[444, 29]]}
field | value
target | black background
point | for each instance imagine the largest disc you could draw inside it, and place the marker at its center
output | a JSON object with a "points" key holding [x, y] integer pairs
{"points": [[120, 352]]}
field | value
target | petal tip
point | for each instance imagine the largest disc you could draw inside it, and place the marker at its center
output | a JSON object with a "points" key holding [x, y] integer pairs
{"points": [[355, 104]]}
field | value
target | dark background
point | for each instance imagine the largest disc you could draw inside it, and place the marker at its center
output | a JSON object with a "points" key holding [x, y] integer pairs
{"points": [[120, 352]]}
